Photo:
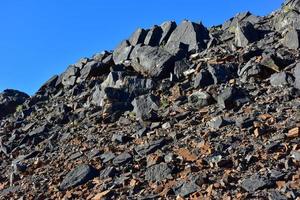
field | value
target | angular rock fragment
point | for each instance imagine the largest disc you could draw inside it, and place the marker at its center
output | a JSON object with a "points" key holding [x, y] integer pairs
{"points": [[292, 39], [167, 29], [179, 68], [217, 122], [70, 75], [153, 61], [158, 172], [199, 99], [250, 70], [9, 100], [281, 79], [245, 34], [153, 36], [297, 76], [145, 149], [190, 34], [122, 52], [138, 37], [232, 97], [107, 172], [123, 158], [254, 183], [203, 79], [145, 107], [221, 73], [78, 176], [92, 69]]}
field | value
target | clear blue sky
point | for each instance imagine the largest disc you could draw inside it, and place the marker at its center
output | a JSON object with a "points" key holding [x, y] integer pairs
{"points": [[40, 38]]}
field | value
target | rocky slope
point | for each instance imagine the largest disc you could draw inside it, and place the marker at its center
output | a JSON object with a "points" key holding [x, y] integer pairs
{"points": [[178, 111]]}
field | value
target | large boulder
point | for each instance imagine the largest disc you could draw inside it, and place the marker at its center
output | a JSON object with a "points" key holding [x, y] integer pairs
{"points": [[122, 52], [291, 39], [138, 37], [191, 34], [297, 76], [153, 61], [245, 34], [288, 15], [153, 37], [145, 107], [9, 100], [69, 77], [167, 29]]}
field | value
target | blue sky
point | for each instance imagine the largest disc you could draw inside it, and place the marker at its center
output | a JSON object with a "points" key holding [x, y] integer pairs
{"points": [[40, 38]]}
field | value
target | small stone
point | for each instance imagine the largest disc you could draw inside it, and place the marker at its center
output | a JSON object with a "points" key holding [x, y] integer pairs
{"points": [[107, 172], [123, 158], [146, 149], [217, 122], [199, 100], [203, 79], [108, 156], [232, 97], [78, 176], [166, 126], [280, 79], [145, 107], [253, 183], [158, 172], [119, 137]]}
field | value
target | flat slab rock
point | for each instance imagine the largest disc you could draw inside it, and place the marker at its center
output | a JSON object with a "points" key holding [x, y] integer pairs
{"points": [[78, 176], [158, 172]]}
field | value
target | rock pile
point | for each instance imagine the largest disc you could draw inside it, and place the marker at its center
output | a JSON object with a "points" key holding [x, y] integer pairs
{"points": [[174, 112]]}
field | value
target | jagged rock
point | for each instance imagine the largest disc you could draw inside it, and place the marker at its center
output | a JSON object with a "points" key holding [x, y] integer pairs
{"points": [[250, 70], [10, 100], [245, 34], [288, 15], [190, 34], [203, 79], [158, 172], [107, 172], [281, 79], [122, 52], [292, 39], [138, 37], [232, 97], [78, 176], [217, 122], [153, 36], [179, 68], [92, 69], [199, 99], [51, 83], [254, 183], [70, 75], [240, 17], [185, 188], [167, 29], [153, 61], [221, 73], [145, 107], [297, 76], [121, 159], [145, 149]]}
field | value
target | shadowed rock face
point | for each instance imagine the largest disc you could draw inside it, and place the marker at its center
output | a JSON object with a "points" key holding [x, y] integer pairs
{"points": [[174, 111], [9, 100]]}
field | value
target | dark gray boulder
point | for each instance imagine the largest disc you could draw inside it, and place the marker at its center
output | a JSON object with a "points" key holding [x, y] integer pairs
{"points": [[138, 37], [78, 176], [153, 36], [281, 79], [199, 99], [167, 29], [292, 39], [10, 100], [297, 76], [254, 183], [145, 107], [153, 62], [245, 34], [191, 34], [221, 73], [232, 97], [203, 79], [70, 75], [180, 67], [92, 69], [158, 172], [122, 52]]}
